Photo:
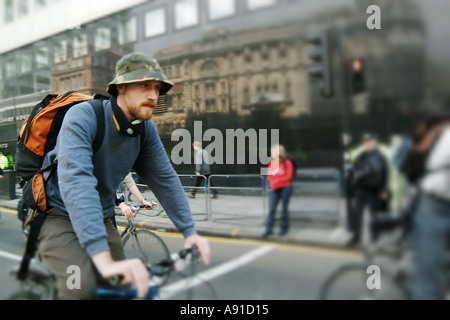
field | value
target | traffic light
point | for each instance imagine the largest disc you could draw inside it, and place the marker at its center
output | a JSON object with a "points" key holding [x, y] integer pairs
{"points": [[321, 55], [356, 74]]}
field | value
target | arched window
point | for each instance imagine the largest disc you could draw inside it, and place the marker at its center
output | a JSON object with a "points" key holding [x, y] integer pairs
{"points": [[210, 69]]}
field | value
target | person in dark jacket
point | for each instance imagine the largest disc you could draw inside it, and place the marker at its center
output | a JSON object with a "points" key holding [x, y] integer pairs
{"points": [[369, 179], [202, 170]]}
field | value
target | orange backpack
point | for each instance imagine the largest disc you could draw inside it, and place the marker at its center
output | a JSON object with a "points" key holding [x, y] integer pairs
{"points": [[38, 136]]}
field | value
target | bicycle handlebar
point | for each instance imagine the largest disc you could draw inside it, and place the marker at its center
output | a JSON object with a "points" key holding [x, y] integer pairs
{"points": [[177, 262], [143, 206]]}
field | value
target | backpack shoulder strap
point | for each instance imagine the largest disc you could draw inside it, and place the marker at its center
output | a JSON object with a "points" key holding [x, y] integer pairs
{"points": [[97, 104]]}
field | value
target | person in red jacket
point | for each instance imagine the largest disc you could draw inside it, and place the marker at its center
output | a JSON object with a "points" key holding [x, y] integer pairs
{"points": [[281, 172]]}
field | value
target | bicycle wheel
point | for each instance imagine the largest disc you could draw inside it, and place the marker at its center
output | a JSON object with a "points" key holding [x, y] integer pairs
{"points": [[354, 282], [145, 245], [35, 291], [25, 296]]}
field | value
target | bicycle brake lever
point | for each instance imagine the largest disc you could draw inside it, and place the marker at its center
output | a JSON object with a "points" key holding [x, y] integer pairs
{"points": [[115, 281]]}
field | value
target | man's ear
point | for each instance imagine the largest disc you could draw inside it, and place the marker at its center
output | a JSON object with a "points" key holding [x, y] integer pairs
{"points": [[120, 88]]}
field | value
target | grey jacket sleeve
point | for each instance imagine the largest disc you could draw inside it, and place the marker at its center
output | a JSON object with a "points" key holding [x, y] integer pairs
{"points": [[154, 167], [76, 180]]}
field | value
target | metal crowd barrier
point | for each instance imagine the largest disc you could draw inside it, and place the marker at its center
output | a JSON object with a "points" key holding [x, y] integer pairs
{"points": [[197, 210], [231, 197], [256, 199], [202, 189], [244, 198]]}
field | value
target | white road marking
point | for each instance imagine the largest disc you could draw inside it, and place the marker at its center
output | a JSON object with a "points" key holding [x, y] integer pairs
{"points": [[172, 289], [10, 256]]}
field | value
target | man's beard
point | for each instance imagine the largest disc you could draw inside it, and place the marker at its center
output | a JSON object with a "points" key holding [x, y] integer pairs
{"points": [[142, 113]]}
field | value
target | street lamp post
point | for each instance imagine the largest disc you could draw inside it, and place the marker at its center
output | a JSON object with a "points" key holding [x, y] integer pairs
{"points": [[346, 126]]}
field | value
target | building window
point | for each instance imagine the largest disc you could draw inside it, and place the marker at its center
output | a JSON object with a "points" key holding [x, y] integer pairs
{"points": [[283, 52], [247, 97], [43, 83], [275, 87], [177, 70], [167, 71], [80, 45], [248, 57], [155, 22], [224, 104], [25, 62], [38, 4], [26, 84], [60, 51], [77, 82], [102, 38], [9, 11], [127, 30], [22, 8], [186, 13], [210, 88], [221, 8], [74, 82], [211, 105], [288, 91], [10, 67], [196, 90], [62, 86], [42, 57], [265, 54], [257, 4]]}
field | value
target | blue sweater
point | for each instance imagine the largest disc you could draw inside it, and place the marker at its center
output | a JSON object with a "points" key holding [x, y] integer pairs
{"points": [[85, 184]]}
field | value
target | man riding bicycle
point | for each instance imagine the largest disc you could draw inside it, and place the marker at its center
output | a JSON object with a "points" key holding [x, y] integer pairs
{"points": [[81, 195]]}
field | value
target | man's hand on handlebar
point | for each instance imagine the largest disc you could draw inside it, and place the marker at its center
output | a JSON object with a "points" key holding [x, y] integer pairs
{"points": [[130, 271], [202, 246], [126, 210], [147, 204]]}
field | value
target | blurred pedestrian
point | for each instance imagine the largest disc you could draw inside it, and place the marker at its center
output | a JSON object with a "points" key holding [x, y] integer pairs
{"points": [[431, 218], [369, 183], [10, 164], [130, 184], [3, 161], [202, 169], [281, 172]]}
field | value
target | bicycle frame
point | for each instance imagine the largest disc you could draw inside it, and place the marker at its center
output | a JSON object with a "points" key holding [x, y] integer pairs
{"points": [[130, 227], [177, 263], [41, 276]]}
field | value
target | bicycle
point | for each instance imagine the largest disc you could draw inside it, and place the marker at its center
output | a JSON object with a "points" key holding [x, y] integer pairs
{"points": [[390, 255], [143, 243], [155, 210], [41, 284], [388, 261]]}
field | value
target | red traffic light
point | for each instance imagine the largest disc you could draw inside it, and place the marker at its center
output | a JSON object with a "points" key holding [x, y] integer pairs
{"points": [[356, 65], [356, 75]]}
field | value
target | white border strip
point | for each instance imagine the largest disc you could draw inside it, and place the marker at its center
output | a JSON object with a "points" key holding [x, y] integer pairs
{"points": [[171, 290]]}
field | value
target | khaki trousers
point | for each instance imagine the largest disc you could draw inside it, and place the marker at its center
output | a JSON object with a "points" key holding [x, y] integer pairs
{"points": [[60, 249]]}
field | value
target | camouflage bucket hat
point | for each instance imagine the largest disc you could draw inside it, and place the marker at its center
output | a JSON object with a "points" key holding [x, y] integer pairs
{"points": [[138, 67]]}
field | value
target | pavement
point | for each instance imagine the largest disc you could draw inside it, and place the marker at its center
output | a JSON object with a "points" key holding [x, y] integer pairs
{"points": [[316, 219]]}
